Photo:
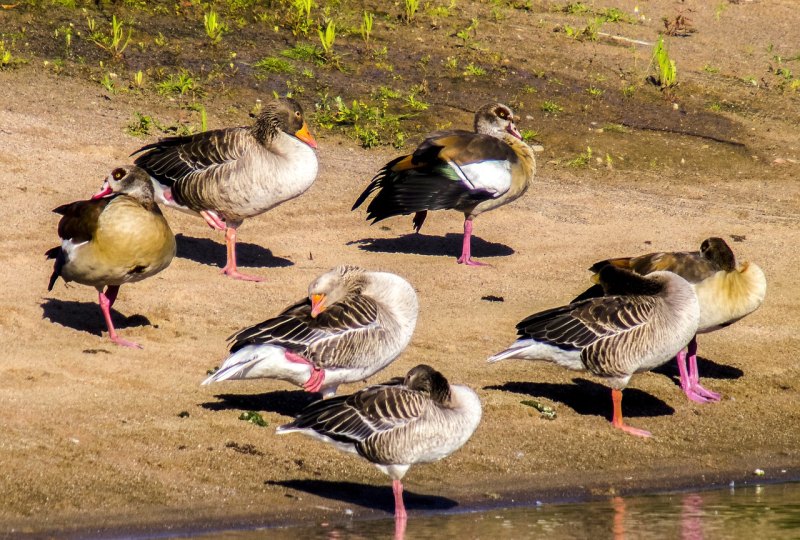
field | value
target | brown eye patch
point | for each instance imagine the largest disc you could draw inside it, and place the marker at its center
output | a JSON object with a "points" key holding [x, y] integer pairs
{"points": [[118, 173]]}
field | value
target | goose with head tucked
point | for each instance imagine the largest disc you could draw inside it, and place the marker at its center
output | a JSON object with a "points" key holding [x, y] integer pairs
{"points": [[471, 172], [642, 323], [117, 237], [227, 175], [353, 323], [727, 292], [419, 418]]}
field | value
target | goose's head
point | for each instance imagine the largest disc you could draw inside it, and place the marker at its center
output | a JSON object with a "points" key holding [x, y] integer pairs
{"points": [[130, 180], [334, 286], [423, 378], [496, 119], [717, 251], [282, 115]]}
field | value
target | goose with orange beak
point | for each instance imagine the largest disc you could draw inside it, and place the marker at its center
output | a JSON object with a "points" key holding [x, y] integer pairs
{"points": [[352, 324], [227, 175]]}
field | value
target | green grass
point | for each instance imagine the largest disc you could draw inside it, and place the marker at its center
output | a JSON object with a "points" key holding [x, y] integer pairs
{"points": [[472, 70], [115, 42], [410, 10], [667, 72], [305, 52], [366, 26], [371, 125], [214, 27], [272, 64], [551, 107], [178, 84], [582, 160]]}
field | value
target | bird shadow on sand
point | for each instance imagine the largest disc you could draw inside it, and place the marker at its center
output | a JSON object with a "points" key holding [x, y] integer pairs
{"points": [[87, 317], [365, 495], [707, 369], [424, 244], [590, 398], [284, 402], [206, 251]]}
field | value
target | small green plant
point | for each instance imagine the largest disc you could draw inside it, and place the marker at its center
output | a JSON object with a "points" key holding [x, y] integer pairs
{"points": [[302, 16], [371, 125], [160, 40], [141, 125], [326, 38], [113, 43], [108, 83], [138, 79], [305, 52], [203, 118], [467, 35], [615, 128], [474, 71], [708, 68], [594, 92], [179, 84], [667, 72], [551, 107], [366, 26], [272, 64], [214, 27], [451, 63], [629, 90], [529, 135], [582, 159], [411, 7], [415, 103], [6, 58], [254, 418], [545, 410]]}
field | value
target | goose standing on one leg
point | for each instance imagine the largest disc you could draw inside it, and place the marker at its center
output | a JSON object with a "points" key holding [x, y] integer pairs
{"points": [[227, 175], [113, 239], [726, 291], [641, 324], [417, 419], [460, 170], [352, 324]]}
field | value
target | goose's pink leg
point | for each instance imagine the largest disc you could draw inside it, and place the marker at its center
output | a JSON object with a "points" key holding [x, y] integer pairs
{"points": [[617, 422], [399, 507], [466, 248], [106, 300], [213, 220], [314, 382], [690, 378], [694, 374], [230, 267]]}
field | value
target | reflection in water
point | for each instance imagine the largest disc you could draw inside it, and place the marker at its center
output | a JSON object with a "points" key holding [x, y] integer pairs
{"points": [[742, 514]]}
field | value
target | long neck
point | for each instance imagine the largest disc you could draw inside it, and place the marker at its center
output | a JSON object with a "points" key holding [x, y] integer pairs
{"points": [[525, 155], [397, 294]]}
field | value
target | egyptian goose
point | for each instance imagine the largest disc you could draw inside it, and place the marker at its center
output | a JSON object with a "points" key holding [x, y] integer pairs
{"points": [[418, 418], [117, 237], [727, 292], [227, 175], [641, 324], [460, 170], [352, 324]]}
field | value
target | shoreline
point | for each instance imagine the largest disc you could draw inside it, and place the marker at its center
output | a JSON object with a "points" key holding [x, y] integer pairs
{"points": [[337, 512]]}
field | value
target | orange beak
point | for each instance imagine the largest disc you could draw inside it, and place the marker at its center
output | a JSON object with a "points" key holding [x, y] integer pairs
{"points": [[105, 190], [304, 135], [317, 304]]}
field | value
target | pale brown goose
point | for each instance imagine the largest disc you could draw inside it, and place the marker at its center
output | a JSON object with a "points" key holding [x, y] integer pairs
{"points": [[418, 418], [227, 175], [353, 323], [461, 170], [113, 239], [726, 291], [641, 324]]}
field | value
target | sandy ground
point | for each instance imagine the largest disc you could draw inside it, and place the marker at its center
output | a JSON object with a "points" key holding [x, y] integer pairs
{"points": [[96, 437]]}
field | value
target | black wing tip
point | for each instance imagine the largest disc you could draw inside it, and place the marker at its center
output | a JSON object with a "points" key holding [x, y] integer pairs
{"points": [[619, 281], [57, 254], [595, 291]]}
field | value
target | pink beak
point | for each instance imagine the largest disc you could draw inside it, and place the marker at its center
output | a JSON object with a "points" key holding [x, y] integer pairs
{"points": [[104, 191], [511, 128]]}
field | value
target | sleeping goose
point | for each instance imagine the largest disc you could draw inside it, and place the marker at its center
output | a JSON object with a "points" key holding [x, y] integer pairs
{"points": [[417, 419], [460, 170], [641, 324], [352, 324], [113, 239], [227, 175], [726, 291]]}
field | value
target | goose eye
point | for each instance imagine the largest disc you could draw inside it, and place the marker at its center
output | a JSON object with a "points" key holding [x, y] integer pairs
{"points": [[297, 114], [118, 173]]}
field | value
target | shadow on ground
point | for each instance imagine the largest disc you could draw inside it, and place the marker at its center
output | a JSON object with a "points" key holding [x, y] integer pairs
{"points": [[206, 251], [424, 244], [285, 402], [374, 497], [590, 398], [87, 317]]}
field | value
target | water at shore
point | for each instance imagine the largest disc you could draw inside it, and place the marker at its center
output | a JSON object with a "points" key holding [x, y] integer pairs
{"points": [[771, 511]]}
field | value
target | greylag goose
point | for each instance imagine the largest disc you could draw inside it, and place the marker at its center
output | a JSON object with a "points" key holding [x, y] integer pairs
{"points": [[352, 324], [416, 419], [227, 175], [641, 324], [117, 237], [726, 291], [460, 170]]}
